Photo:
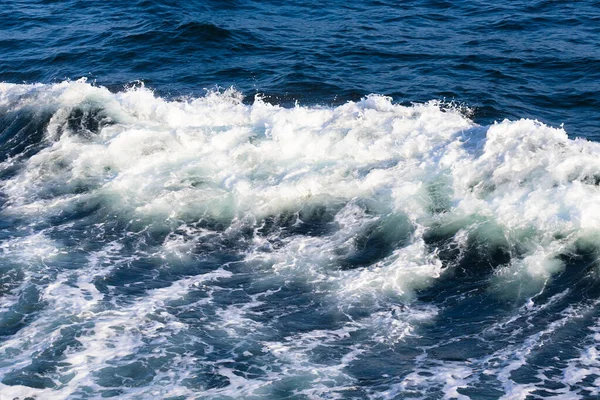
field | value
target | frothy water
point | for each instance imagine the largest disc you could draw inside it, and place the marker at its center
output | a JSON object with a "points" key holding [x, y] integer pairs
{"points": [[156, 248]]}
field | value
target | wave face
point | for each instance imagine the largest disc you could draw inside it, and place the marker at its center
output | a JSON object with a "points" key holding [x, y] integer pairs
{"points": [[205, 246]]}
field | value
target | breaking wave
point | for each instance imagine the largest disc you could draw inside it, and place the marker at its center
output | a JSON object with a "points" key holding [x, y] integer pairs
{"points": [[155, 247]]}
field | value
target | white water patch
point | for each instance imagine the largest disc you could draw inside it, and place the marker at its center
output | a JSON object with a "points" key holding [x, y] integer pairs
{"points": [[310, 262], [449, 377], [214, 157], [453, 379], [403, 272], [67, 298], [503, 363], [119, 333], [218, 157], [583, 372], [326, 381], [399, 322], [108, 336], [365, 175], [23, 258], [30, 250]]}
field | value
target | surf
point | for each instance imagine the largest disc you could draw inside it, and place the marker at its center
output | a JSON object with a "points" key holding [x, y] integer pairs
{"points": [[131, 219]]}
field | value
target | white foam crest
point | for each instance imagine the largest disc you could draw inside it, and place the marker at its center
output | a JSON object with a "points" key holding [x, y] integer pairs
{"points": [[217, 158], [527, 276], [538, 184], [227, 156]]}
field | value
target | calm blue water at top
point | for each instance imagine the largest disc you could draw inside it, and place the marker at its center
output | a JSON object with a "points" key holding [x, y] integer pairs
{"points": [[517, 59], [158, 247]]}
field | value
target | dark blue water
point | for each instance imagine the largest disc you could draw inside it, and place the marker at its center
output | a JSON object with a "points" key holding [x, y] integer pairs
{"points": [[243, 199], [518, 59]]}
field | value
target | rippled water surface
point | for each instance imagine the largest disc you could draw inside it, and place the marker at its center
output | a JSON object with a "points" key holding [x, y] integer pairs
{"points": [[238, 199]]}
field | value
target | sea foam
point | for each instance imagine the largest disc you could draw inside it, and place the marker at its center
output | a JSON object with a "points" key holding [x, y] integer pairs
{"points": [[141, 157], [360, 206]]}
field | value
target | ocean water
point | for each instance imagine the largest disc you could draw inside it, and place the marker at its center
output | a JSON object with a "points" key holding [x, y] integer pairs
{"points": [[256, 200]]}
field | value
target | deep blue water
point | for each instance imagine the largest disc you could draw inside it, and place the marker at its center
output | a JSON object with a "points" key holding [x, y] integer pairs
{"points": [[251, 199], [534, 59]]}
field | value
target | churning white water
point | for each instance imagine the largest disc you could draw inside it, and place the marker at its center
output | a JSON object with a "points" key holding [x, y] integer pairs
{"points": [[211, 247]]}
